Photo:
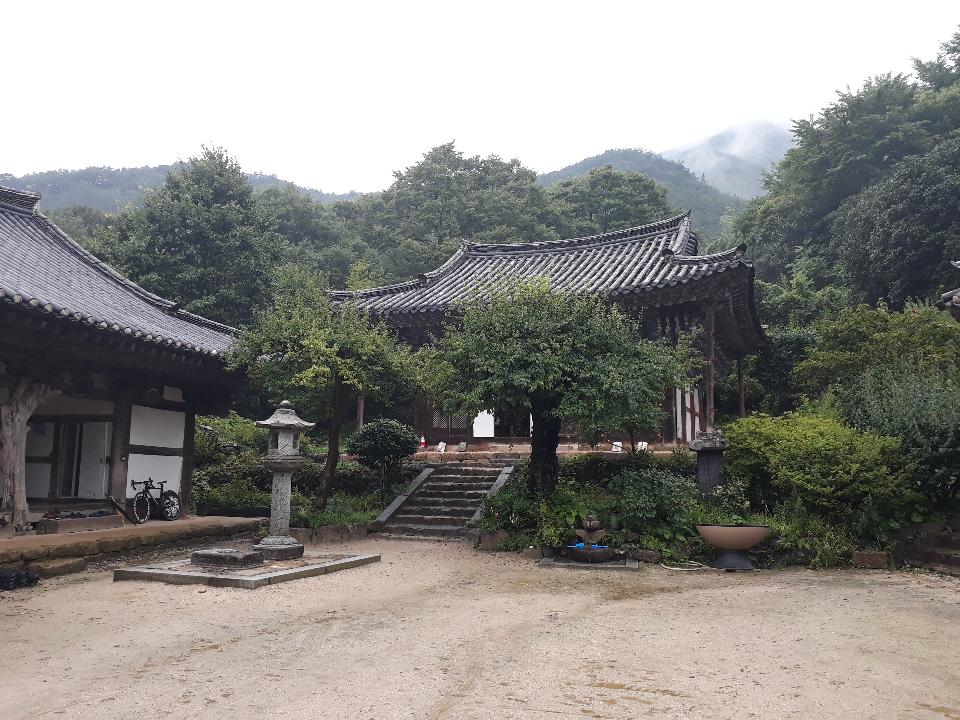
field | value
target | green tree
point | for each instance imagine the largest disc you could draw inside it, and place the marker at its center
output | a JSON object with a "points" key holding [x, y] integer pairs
{"points": [[199, 239], [860, 338], [897, 237], [317, 355], [555, 355], [81, 223], [606, 199]]}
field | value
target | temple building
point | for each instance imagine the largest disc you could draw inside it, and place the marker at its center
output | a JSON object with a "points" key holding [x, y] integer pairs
{"points": [[653, 271], [103, 377]]}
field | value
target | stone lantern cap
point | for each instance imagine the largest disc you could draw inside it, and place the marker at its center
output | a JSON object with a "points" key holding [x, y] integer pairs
{"points": [[709, 440], [285, 418]]}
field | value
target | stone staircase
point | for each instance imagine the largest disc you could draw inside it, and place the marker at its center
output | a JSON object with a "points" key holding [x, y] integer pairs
{"points": [[940, 552], [445, 502]]}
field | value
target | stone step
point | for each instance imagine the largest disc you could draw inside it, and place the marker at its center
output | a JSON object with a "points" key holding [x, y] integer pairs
{"points": [[946, 540], [445, 493], [454, 485], [482, 471], [393, 535], [946, 557], [447, 501], [437, 531], [412, 519], [438, 510]]}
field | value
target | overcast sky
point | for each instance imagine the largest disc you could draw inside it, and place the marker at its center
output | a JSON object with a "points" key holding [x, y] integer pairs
{"points": [[338, 96]]}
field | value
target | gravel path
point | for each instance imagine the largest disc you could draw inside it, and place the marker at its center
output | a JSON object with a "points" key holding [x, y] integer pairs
{"points": [[442, 631]]}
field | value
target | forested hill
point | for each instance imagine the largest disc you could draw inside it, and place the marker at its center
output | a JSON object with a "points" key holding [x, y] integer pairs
{"points": [[108, 189], [736, 159], [684, 189]]}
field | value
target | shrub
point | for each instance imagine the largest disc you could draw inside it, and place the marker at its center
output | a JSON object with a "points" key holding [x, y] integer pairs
{"points": [[830, 468], [654, 502], [599, 468], [922, 408], [246, 465], [382, 444], [242, 493]]}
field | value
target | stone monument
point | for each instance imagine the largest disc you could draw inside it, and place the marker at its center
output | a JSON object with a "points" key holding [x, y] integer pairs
{"points": [[282, 458]]}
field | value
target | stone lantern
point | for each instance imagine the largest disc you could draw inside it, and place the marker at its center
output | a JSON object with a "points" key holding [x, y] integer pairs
{"points": [[282, 458], [709, 447]]}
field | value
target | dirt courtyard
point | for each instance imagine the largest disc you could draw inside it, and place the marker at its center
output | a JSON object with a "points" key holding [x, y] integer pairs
{"points": [[443, 631]]}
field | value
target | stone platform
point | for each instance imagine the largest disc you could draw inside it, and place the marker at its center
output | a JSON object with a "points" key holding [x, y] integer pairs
{"points": [[67, 551], [183, 572]]}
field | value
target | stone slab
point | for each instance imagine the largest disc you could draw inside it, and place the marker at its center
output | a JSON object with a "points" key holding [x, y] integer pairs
{"points": [[182, 572], [58, 566], [622, 564], [873, 559], [227, 557], [49, 526], [280, 552], [94, 542]]}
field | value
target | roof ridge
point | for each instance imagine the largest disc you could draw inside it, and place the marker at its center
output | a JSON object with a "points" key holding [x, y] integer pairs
{"points": [[651, 228], [20, 201], [168, 306]]}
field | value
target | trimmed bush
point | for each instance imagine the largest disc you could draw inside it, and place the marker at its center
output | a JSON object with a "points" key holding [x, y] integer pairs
{"points": [[830, 468], [382, 444], [654, 502]]}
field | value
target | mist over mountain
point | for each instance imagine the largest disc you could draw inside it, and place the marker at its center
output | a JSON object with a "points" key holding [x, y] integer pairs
{"points": [[684, 189], [109, 189], [735, 159]]}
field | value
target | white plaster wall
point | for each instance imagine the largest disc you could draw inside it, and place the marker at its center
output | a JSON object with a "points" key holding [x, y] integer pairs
{"points": [[66, 405], [38, 480], [157, 467], [159, 428], [483, 425]]}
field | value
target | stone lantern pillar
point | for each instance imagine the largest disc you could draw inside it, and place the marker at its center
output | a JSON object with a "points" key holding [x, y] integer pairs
{"points": [[282, 458], [709, 447]]}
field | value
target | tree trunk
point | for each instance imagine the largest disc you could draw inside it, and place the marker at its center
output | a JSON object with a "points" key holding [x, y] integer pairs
{"points": [[333, 443], [25, 398], [544, 439]]}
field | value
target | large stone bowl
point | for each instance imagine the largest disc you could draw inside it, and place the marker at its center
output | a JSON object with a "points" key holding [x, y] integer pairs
{"points": [[733, 541], [590, 555]]}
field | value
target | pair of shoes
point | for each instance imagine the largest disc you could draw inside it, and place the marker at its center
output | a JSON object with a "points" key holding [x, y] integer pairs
{"points": [[52, 515], [75, 516], [100, 513]]}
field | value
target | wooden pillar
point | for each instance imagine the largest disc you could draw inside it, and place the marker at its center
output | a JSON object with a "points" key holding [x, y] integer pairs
{"points": [[709, 379], [361, 398], [120, 447], [186, 471], [741, 391]]}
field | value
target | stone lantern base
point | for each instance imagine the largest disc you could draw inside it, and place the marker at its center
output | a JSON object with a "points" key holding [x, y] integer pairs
{"points": [[279, 548]]}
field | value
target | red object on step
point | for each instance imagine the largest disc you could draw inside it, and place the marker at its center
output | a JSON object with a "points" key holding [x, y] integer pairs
{"points": [[423, 441]]}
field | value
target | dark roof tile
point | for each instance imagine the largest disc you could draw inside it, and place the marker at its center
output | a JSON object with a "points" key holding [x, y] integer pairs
{"points": [[42, 268]]}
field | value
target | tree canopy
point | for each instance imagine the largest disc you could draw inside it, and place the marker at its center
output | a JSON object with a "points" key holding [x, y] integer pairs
{"points": [[557, 356]]}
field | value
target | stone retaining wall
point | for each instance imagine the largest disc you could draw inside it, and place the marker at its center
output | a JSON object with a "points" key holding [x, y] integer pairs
{"points": [[329, 534]]}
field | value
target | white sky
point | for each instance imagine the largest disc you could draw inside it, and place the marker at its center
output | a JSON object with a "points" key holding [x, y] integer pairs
{"points": [[337, 96]]}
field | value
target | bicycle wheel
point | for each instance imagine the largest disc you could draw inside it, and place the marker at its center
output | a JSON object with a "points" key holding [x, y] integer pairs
{"points": [[169, 505], [141, 507]]}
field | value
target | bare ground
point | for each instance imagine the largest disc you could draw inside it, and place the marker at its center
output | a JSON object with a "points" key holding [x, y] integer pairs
{"points": [[442, 631]]}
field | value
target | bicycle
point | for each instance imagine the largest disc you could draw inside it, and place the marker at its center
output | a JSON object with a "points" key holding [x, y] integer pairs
{"points": [[167, 506]]}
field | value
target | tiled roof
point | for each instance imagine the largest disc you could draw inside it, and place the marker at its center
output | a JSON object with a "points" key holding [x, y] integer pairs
{"points": [[634, 261], [43, 270], [653, 264]]}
